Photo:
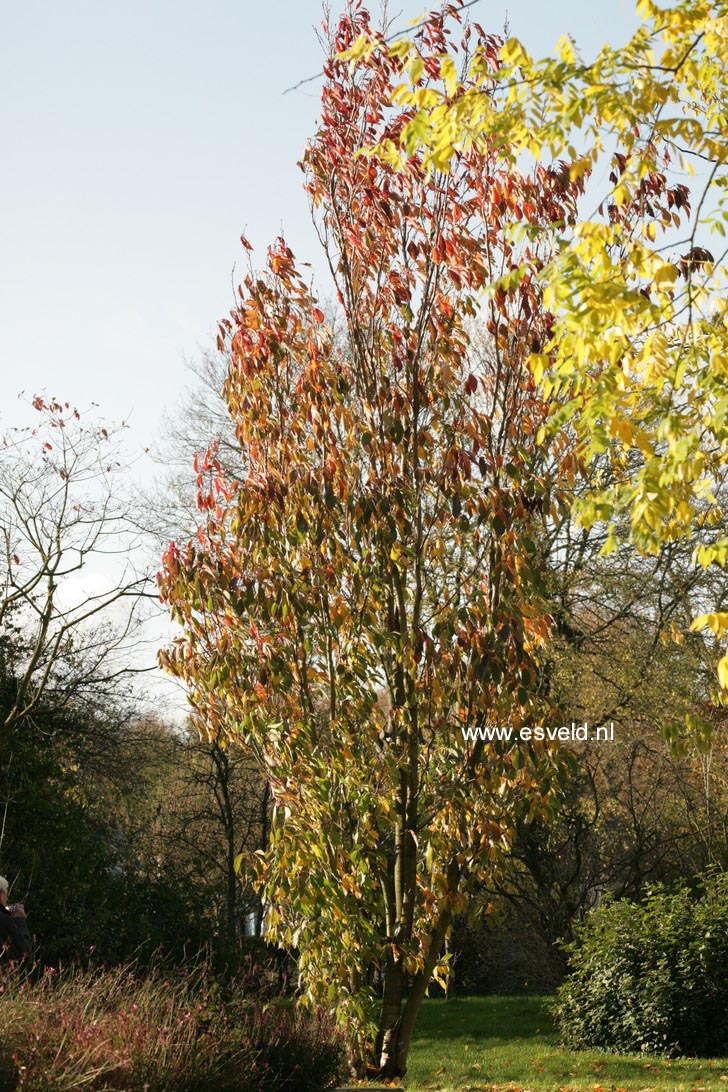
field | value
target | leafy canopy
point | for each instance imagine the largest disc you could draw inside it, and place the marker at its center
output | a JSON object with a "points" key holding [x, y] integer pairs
{"points": [[639, 346]]}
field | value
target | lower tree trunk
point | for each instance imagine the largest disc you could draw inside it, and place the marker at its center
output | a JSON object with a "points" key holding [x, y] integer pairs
{"points": [[409, 1019], [389, 1020], [395, 1036], [398, 1016]]}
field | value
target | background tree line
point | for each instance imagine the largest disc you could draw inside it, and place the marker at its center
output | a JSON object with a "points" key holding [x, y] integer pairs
{"points": [[119, 828]]}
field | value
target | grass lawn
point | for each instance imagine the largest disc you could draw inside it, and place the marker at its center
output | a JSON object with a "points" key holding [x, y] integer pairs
{"points": [[509, 1044]]}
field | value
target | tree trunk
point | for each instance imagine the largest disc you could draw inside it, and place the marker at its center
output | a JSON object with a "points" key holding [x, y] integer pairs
{"points": [[397, 1024], [397, 1021], [389, 1020], [409, 1018]]}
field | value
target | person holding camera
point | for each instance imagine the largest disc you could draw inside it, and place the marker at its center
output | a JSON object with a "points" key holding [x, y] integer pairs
{"points": [[15, 943]]}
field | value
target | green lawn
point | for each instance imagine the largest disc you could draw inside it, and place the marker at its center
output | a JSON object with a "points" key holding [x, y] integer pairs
{"points": [[509, 1043]]}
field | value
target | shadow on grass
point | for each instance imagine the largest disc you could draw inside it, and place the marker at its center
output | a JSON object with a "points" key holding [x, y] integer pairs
{"points": [[510, 1043], [487, 1019]]}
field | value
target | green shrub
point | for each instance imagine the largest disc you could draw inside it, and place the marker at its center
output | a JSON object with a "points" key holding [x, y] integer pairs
{"points": [[651, 977], [120, 1029]]}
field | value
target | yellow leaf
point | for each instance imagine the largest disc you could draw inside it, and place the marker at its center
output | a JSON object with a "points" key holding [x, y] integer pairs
{"points": [[665, 274], [621, 194], [514, 53], [400, 48], [449, 74], [416, 69], [716, 622], [537, 363], [362, 47], [723, 672], [441, 155], [578, 168], [565, 49]]}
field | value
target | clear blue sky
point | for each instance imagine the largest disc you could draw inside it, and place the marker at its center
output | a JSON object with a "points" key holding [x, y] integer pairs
{"points": [[139, 139]]}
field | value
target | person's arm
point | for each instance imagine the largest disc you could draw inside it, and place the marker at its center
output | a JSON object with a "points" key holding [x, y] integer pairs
{"points": [[19, 933]]}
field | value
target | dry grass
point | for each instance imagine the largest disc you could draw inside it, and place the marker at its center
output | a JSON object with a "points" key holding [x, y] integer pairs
{"points": [[122, 1029]]}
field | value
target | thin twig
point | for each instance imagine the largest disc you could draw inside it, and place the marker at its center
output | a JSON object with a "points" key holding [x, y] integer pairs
{"points": [[390, 38]]}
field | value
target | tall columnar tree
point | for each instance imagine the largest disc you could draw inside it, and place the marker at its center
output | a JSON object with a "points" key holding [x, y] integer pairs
{"points": [[370, 586]]}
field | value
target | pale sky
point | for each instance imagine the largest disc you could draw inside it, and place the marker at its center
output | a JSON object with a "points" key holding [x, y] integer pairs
{"points": [[139, 140]]}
